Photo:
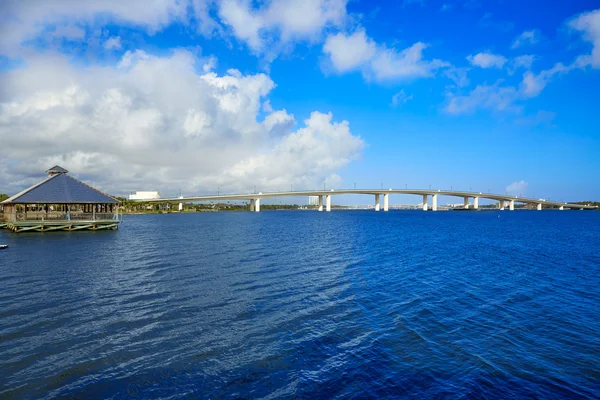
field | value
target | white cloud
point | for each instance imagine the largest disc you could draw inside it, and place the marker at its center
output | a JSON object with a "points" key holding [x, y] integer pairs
{"points": [[526, 38], [112, 43], [280, 21], [157, 122], [25, 20], [267, 106], [488, 97], [358, 52], [458, 76], [589, 25], [70, 32], [487, 60], [524, 61], [348, 53], [532, 84], [400, 98], [517, 188], [204, 21]]}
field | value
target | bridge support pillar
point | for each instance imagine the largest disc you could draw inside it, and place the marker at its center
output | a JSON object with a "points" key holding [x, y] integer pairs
{"points": [[424, 202], [376, 202], [466, 202], [180, 208], [434, 202], [252, 205], [511, 205], [476, 203], [501, 205], [539, 206], [561, 208], [320, 203], [328, 202], [257, 205], [386, 202]]}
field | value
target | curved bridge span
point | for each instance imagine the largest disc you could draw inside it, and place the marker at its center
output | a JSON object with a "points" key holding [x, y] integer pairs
{"points": [[324, 198]]}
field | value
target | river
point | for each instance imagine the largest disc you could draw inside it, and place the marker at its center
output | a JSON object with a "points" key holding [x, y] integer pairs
{"points": [[299, 304]]}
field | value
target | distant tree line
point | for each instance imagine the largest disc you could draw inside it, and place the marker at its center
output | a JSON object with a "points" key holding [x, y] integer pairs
{"points": [[136, 207], [3, 196], [589, 203]]}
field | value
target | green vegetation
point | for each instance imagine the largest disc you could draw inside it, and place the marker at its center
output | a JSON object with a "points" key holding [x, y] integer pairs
{"points": [[589, 203], [3, 196], [135, 207]]}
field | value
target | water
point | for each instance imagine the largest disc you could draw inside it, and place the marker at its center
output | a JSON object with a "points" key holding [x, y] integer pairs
{"points": [[347, 304]]}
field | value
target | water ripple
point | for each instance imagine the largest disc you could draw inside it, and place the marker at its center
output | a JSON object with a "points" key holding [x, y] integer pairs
{"points": [[301, 304]]}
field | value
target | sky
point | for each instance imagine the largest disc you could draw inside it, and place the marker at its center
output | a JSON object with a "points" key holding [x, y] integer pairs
{"points": [[200, 96]]}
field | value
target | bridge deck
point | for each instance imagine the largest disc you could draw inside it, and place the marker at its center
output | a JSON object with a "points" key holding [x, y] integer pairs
{"points": [[332, 192]]}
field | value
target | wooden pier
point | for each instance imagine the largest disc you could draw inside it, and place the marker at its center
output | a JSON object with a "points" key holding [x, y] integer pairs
{"points": [[59, 203]]}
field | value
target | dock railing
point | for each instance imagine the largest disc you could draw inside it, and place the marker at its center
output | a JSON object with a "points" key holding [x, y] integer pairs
{"points": [[65, 216]]}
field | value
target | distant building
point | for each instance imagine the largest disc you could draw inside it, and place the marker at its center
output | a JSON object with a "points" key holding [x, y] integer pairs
{"points": [[59, 202], [144, 196]]}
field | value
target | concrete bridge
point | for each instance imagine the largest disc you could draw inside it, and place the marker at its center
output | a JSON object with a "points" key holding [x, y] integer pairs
{"points": [[324, 196]]}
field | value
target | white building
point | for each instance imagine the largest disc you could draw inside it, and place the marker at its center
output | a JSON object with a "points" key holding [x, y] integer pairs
{"points": [[144, 196], [313, 200]]}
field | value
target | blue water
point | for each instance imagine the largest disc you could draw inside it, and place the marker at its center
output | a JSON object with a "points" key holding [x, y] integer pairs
{"points": [[347, 304]]}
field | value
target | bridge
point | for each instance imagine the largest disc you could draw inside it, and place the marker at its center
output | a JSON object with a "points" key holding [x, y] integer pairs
{"points": [[324, 198]]}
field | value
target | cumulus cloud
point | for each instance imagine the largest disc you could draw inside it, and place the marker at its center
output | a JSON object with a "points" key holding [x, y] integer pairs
{"points": [[487, 60], [526, 38], [349, 52], [280, 21], [400, 98], [517, 188], [25, 20], [113, 43], [589, 25], [160, 122], [359, 52]]}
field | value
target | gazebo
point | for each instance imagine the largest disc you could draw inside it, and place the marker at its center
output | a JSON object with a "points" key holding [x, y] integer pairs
{"points": [[59, 202]]}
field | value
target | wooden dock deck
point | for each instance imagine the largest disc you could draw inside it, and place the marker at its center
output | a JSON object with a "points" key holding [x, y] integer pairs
{"points": [[74, 222]]}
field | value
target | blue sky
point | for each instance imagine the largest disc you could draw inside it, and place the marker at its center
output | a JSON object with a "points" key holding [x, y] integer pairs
{"points": [[198, 94]]}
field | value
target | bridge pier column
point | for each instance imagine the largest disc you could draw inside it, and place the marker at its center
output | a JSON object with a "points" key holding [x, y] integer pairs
{"points": [[257, 205], [476, 203], [511, 205], [501, 205], [386, 202], [561, 208], [539, 206], [434, 202], [424, 202], [320, 203], [328, 202], [252, 205], [376, 202], [180, 208], [466, 202]]}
